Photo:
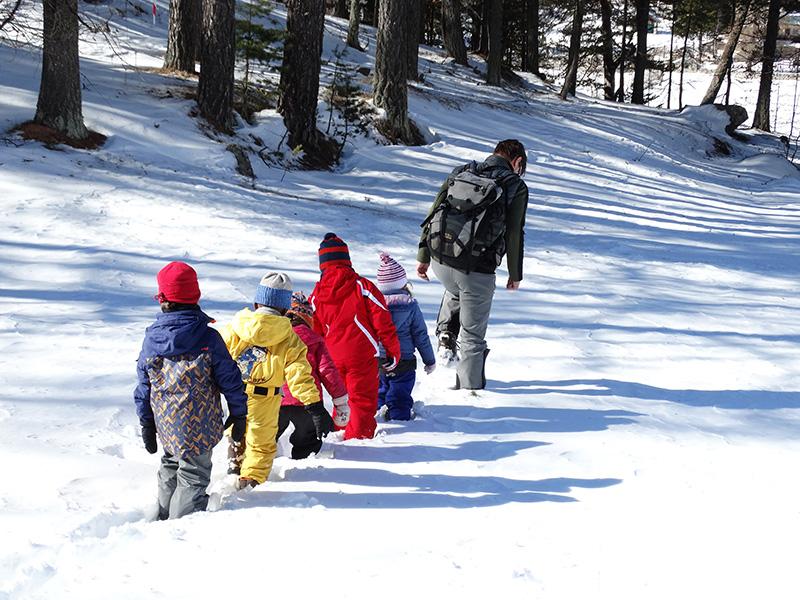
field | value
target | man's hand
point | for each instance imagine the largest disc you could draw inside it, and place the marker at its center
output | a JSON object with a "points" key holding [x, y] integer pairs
{"points": [[422, 270], [512, 285]]}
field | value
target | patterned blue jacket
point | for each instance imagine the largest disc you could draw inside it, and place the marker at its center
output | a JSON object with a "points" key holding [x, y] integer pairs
{"points": [[410, 324], [182, 368]]}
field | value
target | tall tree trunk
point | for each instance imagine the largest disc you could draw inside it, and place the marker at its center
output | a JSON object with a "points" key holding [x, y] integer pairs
{"points": [[623, 54], [726, 60], [571, 80], [671, 52], [375, 13], [640, 65], [299, 86], [59, 105], [483, 47], [495, 27], [607, 37], [182, 35], [476, 24], [689, 22], [761, 120], [532, 36], [340, 9], [354, 25], [391, 88], [412, 38], [452, 32], [215, 88]]}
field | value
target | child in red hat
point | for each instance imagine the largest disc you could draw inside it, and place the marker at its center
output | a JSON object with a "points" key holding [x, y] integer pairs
{"points": [[182, 368], [351, 314]]}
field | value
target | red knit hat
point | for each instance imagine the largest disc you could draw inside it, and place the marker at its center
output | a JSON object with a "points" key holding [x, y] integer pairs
{"points": [[333, 251], [177, 282]]}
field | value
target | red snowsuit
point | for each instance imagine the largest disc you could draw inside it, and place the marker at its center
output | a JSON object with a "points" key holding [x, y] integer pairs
{"points": [[350, 313]]}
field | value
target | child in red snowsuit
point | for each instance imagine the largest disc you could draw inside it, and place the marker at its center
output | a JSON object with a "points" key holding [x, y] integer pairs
{"points": [[304, 438], [351, 314]]}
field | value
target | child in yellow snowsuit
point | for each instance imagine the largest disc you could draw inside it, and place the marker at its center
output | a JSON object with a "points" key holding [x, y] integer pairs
{"points": [[269, 352]]}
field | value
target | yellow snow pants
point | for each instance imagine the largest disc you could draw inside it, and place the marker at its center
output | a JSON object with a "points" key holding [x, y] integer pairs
{"points": [[262, 427]]}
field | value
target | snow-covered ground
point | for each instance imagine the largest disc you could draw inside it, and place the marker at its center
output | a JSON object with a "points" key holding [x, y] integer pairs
{"points": [[639, 434]]}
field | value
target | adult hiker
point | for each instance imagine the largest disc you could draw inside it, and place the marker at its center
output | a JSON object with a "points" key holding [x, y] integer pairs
{"points": [[477, 218]]}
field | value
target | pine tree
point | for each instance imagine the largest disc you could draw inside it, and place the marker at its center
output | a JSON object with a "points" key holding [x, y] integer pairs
{"points": [[453, 34], [253, 42], [495, 35], [726, 59], [182, 36], [531, 61], [302, 53], [354, 24], [218, 57], [413, 35], [571, 80], [640, 64], [390, 86], [761, 119], [59, 105]]}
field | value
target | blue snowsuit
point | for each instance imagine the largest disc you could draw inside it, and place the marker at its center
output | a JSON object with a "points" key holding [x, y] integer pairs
{"points": [[395, 387]]}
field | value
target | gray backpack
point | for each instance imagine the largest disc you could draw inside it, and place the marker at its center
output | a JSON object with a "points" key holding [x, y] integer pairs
{"points": [[469, 223]]}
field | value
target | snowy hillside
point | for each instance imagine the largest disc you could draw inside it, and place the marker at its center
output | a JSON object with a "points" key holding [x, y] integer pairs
{"points": [[639, 434]]}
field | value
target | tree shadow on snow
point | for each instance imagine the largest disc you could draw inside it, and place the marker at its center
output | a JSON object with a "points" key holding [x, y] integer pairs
{"points": [[730, 399], [515, 419], [420, 491]]}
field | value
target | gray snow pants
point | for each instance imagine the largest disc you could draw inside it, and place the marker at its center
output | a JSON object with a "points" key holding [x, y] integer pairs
{"points": [[467, 298], [182, 484]]}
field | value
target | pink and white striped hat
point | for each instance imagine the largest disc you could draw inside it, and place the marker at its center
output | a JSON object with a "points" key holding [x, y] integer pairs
{"points": [[391, 275]]}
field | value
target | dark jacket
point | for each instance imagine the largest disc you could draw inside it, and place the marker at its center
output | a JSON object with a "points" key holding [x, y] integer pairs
{"points": [[516, 194], [182, 368]]}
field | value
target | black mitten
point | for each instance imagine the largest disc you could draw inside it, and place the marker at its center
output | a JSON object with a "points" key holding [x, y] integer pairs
{"points": [[323, 423], [149, 438], [238, 425]]}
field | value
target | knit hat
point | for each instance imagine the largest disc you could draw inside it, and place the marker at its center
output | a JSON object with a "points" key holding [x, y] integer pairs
{"points": [[333, 251], [301, 308], [177, 282], [391, 275], [275, 290]]}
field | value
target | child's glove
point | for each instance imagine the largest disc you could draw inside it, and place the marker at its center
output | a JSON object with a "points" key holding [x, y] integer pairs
{"points": [[388, 363], [342, 416], [323, 424], [238, 425], [149, 438], [430, 368]]}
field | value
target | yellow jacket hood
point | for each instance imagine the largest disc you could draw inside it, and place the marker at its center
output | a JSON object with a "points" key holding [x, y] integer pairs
{"points": [[261, 328]]}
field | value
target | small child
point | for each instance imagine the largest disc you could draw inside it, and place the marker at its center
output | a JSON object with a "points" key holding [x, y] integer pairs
{"points": [[268, 353], [396, 386], [181, 369], [351, 314], [304, 439]]}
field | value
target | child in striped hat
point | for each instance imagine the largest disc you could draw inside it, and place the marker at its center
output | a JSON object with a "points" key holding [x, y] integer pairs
{"points": [[351, 314], [396, 386]]}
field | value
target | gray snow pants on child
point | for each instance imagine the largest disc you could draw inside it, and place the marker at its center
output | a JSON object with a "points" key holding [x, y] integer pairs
{"points": [[182, 484], [468, 298]]}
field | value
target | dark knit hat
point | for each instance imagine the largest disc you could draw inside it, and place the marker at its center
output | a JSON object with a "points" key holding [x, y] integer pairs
{"points": [[177, 282], [301, 308], [333, 251]]}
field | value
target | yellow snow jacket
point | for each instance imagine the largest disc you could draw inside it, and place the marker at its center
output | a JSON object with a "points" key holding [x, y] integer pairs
{"points": [[269, 352]]}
